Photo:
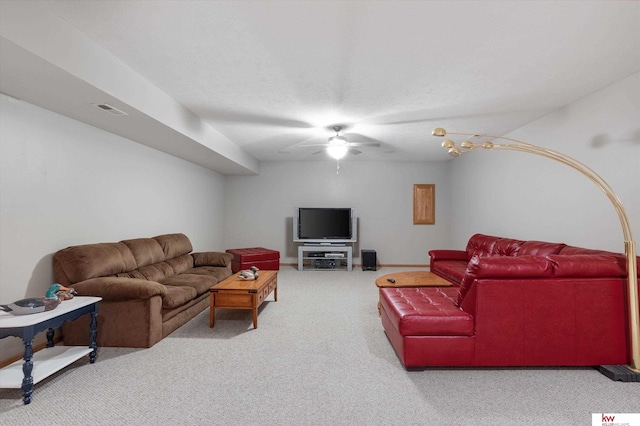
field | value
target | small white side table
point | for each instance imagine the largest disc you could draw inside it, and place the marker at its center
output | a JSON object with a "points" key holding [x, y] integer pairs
{"points": [[52, 359]]}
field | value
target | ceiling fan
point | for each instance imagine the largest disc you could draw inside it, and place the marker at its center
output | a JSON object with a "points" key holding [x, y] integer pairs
{"points": [[338, 146]]}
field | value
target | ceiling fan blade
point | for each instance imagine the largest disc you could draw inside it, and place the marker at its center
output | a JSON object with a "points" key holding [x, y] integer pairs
{"points": [[306, 145], [303, 143], [234, 116], [369, 144], [357, 139], [319, 152], [355, 151]]}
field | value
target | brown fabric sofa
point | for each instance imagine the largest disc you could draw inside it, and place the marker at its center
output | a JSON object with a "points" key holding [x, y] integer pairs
{"points": [[149, 287]]}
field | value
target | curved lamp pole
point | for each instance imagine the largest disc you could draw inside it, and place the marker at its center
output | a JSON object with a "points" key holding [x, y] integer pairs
{"points": [[629, 244]]}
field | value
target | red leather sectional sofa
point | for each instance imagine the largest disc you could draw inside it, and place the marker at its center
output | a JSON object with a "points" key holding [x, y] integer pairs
{"points": [[513, 303]]}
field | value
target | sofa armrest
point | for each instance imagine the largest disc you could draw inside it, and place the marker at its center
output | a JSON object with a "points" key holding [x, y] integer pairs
{"points": [[504, 267], [587, 265], [448, 255], [212, 258], [117, 288], [509, 267]]}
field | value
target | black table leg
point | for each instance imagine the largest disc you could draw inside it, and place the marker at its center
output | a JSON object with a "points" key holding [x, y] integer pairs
{"points": [[93, 327], [50, 338], [27, 368]]}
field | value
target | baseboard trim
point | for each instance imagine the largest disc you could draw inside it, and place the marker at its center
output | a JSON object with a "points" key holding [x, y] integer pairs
{"points": [[379, 265]]}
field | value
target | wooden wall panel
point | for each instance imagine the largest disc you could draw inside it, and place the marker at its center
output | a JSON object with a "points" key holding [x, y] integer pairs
{"points": [[424, 204]]}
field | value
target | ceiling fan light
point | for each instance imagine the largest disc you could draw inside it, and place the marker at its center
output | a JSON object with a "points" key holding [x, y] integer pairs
{"points": [[337, 151]]}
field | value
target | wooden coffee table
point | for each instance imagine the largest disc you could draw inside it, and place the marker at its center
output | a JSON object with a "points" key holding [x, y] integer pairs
{"points": [[236, 293]]}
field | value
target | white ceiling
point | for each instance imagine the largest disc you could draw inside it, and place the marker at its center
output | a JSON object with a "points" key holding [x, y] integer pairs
{"points": [[273, 75]]}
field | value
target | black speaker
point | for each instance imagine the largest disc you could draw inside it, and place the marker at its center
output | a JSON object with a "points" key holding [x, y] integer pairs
{"points": [[369, 261]]}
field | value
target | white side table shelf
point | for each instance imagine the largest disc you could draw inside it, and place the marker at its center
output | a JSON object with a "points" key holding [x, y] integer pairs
{"points": [[52, 359], [325, 249]]}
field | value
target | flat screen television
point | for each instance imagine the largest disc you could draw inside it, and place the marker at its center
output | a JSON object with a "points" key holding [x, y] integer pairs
{"points": [[320, 225]]}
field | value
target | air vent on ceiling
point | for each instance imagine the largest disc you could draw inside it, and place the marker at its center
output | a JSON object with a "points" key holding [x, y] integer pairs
{"points": [[110, 109]]}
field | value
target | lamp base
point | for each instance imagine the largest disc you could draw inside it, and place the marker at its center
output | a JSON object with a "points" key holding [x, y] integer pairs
{"points": [[620, 373]]}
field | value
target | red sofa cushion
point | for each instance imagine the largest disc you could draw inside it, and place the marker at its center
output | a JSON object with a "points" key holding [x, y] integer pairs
{"points": [[506, 247], [540, 248], [480, 245], [425, 311], [452, 270]]}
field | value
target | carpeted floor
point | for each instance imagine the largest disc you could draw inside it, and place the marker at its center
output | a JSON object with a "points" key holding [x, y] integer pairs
{"points": [[318, 357]]}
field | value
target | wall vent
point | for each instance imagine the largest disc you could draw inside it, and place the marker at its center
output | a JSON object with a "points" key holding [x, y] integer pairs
{"points": [[110, 109]]}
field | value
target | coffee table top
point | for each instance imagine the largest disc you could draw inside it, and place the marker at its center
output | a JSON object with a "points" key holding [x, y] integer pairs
{"points": [[234, 282], [413, 279]]}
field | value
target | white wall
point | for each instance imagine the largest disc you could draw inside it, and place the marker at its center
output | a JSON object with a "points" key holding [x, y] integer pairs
{"points": [[528, 197], [64, 183], [259, 209]]}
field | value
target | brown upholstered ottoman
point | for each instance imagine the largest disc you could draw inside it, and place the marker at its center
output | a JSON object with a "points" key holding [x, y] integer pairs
{"points": [[261, 258]]}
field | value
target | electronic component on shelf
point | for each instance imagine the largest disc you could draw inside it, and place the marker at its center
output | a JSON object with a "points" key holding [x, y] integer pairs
{"points": [[334, 255]]}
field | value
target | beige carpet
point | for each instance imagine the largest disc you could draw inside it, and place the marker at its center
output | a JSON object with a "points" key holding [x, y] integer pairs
{"points": [[318, 357]]}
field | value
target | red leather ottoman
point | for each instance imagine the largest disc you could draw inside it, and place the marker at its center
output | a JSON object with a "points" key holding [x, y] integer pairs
{"points": [[261, 258]]}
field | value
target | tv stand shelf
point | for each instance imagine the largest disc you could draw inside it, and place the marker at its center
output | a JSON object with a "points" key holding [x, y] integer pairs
{"points": [[326, 249]]}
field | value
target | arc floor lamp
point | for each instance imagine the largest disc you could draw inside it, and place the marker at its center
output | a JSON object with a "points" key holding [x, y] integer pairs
{"points": [[631, 372]]}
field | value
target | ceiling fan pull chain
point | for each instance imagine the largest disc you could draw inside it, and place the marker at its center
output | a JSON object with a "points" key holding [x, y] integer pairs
{"points": [[337, 167]]}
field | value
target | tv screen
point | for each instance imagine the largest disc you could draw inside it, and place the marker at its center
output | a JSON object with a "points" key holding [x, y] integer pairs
{"points": [[324, 224]]}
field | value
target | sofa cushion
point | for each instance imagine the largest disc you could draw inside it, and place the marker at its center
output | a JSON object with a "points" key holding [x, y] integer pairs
{"points": [[132, 274], [177, 296], [503, 267], [480, 245], [146, 251], [174, 245], [201, 283], [219, 272], [79, 263], [157, 271], [540, 248], [180, 264], [453, 270], [506, 247], [421, 311]]}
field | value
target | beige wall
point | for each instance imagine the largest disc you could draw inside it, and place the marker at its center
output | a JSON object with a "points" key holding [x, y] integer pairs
{"points": [[523, 196], [64, 183], [259, 209]]}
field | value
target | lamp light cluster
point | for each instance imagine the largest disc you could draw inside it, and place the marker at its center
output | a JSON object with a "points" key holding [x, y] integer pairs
{"points": [[467, 145]]}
